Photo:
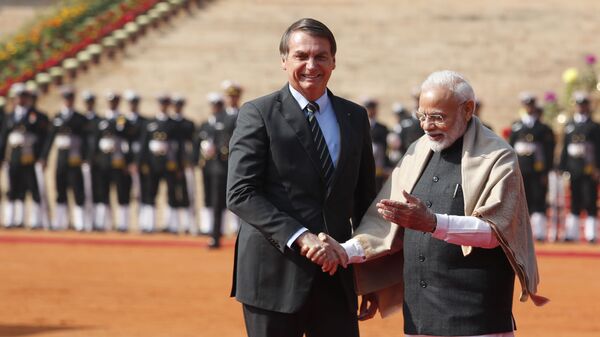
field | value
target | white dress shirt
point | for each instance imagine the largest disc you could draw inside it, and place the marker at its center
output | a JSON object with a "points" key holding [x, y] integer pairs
{"points": [[331, 132]]}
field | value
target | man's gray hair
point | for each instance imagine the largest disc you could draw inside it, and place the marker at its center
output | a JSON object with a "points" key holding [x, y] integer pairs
{"points": [[452, 81]]}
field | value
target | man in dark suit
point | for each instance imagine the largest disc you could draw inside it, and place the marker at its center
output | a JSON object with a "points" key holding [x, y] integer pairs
{"points": [[300, 162]]}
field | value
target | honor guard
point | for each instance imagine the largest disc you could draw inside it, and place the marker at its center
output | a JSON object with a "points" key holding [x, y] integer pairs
{"points": [[233, 94], [158, 159], [137, 124], [581, 158], [379, 133], [90, 167], [213, 151], [534, 143], [185, 188], [21, 140], [67, 133], [112, 156], [406, 130]]}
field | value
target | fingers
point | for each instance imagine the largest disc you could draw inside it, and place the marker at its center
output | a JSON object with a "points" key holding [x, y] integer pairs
{"points": [[338, 250], [368, 307]]}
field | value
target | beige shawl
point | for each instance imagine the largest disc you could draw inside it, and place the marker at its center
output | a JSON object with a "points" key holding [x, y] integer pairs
{"points": [[493, 191]]}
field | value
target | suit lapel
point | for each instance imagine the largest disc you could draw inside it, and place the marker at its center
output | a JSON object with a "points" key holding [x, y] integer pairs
{"points": [[345, 138], [295, 118]]}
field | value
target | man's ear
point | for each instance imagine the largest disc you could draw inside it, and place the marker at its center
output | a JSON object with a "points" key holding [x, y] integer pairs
{"points": [[283, 65], [334, 62], [469, 109]]}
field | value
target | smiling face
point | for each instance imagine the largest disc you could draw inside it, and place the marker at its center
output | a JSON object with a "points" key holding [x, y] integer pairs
{"points": [[450, 116], [309, 64]]}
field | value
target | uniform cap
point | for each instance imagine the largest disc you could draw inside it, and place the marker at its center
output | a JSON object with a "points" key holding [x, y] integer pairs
{"points": [[32, 88], [88, 96], [111, 96], [178, 99], [214, 98], [369, 102], [231, 88], [581, 97], [163, 97], [67, 91], [527, 98], [18, 89], [398, 108], [131, 96]]}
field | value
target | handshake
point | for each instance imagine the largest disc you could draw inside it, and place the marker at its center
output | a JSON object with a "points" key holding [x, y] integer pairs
{"points": [[323, 250]]}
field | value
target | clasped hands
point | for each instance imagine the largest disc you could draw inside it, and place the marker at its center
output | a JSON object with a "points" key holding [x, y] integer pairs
{"points": [[323, 250]]}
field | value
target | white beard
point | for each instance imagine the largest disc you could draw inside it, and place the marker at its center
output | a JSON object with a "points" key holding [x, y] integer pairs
{"points": [[449, 137]]}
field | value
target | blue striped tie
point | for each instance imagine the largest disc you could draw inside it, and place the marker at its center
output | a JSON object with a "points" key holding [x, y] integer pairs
{"points": [[325, 158]]}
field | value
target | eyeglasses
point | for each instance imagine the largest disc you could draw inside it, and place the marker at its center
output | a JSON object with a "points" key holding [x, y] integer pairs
{"points": [[437, 119]]}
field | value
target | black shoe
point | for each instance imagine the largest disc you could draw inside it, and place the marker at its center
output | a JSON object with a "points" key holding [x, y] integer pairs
{"points": [[592, 241]]}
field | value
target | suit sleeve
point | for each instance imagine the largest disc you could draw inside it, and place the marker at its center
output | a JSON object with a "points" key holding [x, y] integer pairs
{"points": [[366, 188], [246, 178]]}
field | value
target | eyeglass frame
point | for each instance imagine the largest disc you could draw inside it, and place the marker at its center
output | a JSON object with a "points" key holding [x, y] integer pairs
{"points": [[425, 118]]}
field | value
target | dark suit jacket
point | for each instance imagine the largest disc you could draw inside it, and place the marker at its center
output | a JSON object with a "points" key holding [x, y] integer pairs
{"points": [[276, 187]]}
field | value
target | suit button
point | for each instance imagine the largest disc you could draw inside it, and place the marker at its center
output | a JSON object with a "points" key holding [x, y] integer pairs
{"points": [[421, 258], [436, 179], [428, 204], [423, 284]]}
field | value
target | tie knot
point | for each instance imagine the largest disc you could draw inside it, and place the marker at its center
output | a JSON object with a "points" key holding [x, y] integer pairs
{"points": [[312, 107]]}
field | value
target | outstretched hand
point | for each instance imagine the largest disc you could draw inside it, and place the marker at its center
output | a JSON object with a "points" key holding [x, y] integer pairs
{"points": [[413, 213]]}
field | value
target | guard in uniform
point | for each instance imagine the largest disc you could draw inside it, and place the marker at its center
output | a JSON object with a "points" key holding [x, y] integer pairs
{"points": [[111, 154], [406, 130], [185, 188], [581, 158], [90, 167], [379, 134], [67, 132], [534, 143], [213, 152], [233, 94], [136, 125], [159, 158], [21, 140]]}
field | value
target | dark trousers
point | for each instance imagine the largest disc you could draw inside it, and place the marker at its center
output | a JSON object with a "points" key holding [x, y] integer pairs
{"points": [[69, 177], [151, 182], [22, 179], [181, 191], [325, 314], [215, 185], [536, 188], [122, 181], [584, 193]]}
